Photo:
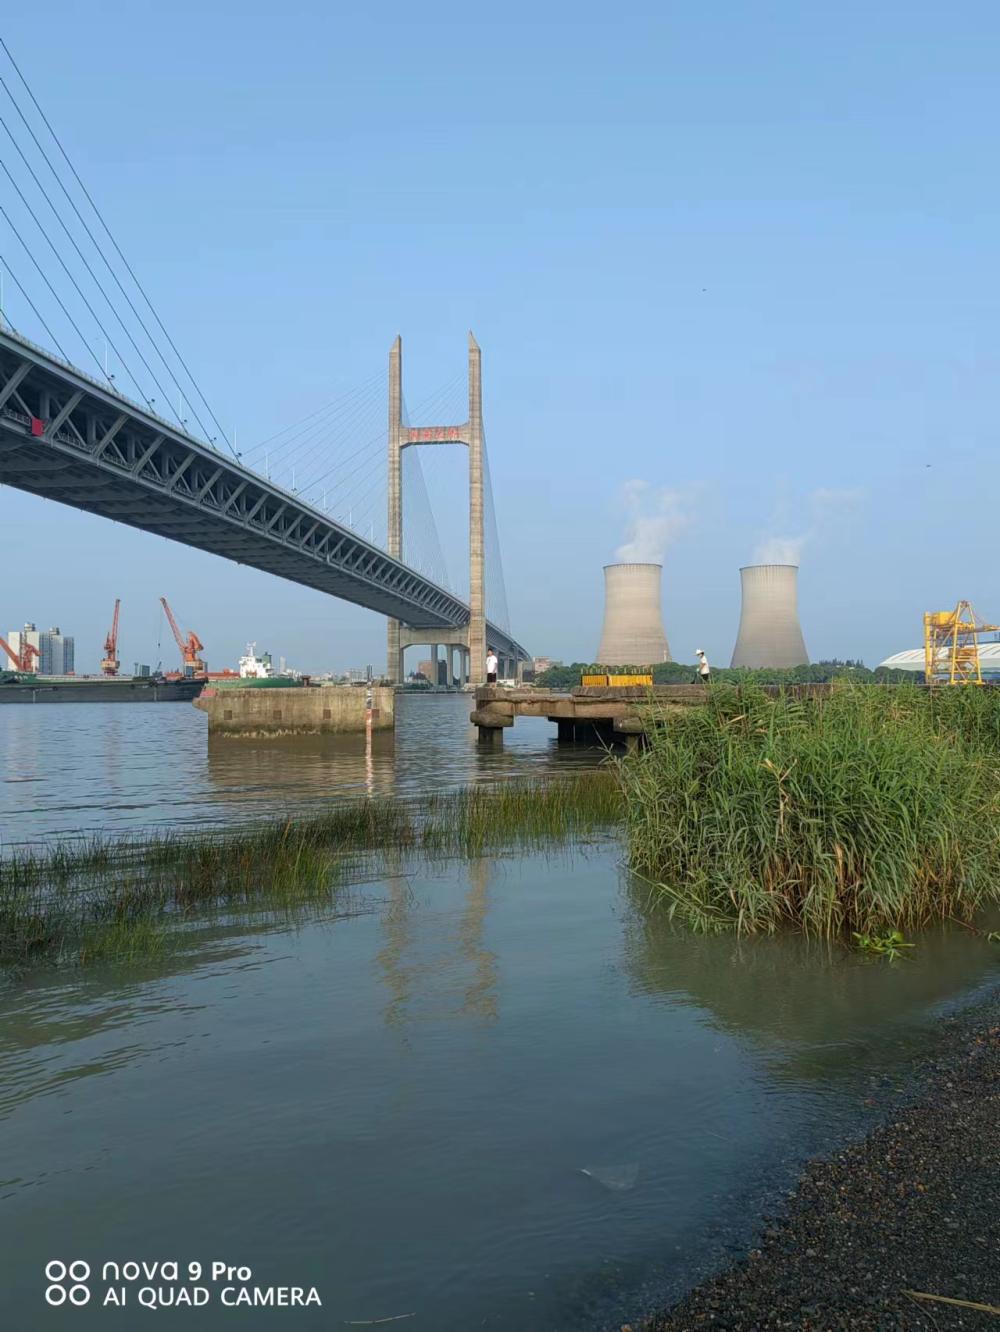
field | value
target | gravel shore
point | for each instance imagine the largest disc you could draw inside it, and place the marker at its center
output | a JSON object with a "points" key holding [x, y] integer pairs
{"points": [[913, 1207]]}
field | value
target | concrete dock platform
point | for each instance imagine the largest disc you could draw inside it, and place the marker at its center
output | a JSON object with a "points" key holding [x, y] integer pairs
{"points": [[305, 710], [590, 714], [596, 714]]}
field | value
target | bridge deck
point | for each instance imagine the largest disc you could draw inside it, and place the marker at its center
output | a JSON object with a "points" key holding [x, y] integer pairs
{"points": [[69, 438]]}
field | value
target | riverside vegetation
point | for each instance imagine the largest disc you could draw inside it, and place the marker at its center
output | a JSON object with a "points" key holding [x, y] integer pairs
{"points": [[866, 812], [121, 897], [675, 672]]}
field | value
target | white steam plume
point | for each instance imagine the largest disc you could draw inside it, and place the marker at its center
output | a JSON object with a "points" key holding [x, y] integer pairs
{"points": [[654, 517], [830, 511], [779, 550]]}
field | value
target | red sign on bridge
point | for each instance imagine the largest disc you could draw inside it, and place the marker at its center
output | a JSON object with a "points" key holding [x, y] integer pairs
{"points": [[434, 434]]}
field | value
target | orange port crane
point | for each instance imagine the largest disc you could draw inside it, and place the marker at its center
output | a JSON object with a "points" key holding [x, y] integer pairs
{"points": [[22, 662], [190, 646], [110, 664]]}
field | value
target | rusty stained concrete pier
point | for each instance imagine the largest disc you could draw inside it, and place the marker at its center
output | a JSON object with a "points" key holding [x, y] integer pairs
{"points": [[586, 715]]}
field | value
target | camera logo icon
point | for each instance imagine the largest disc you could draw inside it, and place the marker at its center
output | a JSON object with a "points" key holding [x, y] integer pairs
{"points": [[66, 1282]]}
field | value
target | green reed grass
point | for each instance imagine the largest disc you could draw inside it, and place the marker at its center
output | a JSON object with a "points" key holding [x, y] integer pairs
{"points": [[117, 897], [869, 809]]}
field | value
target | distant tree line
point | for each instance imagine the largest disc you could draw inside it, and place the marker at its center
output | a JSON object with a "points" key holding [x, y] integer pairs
{"points": [[675, 672]]}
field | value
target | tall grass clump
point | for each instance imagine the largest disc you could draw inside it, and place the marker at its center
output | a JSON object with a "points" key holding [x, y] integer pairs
{"points": [[868, 809], [520, 814]]}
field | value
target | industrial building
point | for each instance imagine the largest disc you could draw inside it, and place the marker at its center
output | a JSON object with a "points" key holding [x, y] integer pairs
{"points": [[55, 649], [769, 634], [427, 670], [633, 634]]}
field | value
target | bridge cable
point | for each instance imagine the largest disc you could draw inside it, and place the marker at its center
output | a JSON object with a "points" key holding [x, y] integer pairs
{"points": [[444, 400], [359, 418], [34, 217], [421, 532], [110, 304], [496, 586], [368, 461], [34, 307], [313, 442], [433, 467], [55, 294], [354, 417], [375, 465], [253, 448], [107, 230]]}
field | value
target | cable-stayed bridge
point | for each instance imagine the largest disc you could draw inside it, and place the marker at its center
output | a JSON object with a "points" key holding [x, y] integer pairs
{"points": [[102, 441], [65, 436]]}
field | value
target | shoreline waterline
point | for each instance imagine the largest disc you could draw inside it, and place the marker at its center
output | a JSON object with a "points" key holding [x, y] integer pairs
{"points": [[892, 1229]]}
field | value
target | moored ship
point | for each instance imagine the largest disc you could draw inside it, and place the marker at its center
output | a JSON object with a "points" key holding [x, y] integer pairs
{"points": [[21, 687]]}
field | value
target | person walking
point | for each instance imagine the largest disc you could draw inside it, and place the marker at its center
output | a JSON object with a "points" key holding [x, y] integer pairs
{"points": [[704, 670], [491, 666]]}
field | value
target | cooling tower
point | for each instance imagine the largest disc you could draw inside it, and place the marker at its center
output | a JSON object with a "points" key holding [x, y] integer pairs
{"points": [[632, 634], [769, 618]]}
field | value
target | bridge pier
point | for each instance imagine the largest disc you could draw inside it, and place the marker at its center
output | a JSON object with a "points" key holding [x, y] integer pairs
{"points": [[491, 737], [472, 635], [477, 538]]}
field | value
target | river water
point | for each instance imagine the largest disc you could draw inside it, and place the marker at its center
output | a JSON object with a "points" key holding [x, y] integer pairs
{"points": [[496, 1094], [88, 767]]}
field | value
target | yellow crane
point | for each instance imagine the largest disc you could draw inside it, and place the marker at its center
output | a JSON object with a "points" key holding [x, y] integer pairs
{"points": [[951, 645]]}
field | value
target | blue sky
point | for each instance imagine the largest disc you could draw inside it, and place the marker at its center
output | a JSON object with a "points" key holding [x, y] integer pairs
{"points": [[744, 252]]}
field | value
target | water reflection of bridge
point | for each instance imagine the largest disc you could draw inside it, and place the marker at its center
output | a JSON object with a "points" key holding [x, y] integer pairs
{"points": [[431, 969]]}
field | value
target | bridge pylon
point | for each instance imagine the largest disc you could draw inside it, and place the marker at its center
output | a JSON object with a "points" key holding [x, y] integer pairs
{"points": [[471, 637]]}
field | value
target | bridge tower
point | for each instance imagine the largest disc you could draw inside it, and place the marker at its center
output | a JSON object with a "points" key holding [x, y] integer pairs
{"points": [[470, 638]]}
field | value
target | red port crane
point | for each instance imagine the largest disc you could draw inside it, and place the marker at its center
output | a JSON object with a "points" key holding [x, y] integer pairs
{"points": [[22, 662], [110, 664], [190, 646]]}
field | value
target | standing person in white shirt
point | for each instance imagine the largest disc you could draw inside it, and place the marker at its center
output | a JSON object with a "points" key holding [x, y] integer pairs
{"points": [[704, 670], [491, 666]]}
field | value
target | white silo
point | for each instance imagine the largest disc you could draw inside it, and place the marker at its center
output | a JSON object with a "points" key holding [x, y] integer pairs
{"points": [[632, 634], [769, 633]]}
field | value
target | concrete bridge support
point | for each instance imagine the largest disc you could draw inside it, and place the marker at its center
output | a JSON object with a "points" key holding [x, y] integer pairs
{"points": [[477, 540], [394, 530], [451, 640], [470, 433]]}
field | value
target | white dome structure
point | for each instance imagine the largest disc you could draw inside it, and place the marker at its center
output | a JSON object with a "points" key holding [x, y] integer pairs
{"points": [[913, 660]]}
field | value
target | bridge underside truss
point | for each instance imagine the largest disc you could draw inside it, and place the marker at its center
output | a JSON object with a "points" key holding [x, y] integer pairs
{"points": [[66, 437]]}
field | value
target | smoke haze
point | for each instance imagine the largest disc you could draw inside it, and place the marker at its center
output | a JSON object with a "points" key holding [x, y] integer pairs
{"points": [[654, 517]]}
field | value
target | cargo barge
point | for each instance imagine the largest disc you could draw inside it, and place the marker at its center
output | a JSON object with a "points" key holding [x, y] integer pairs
{"points": [[17, 687]]}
